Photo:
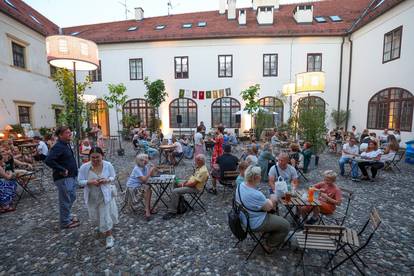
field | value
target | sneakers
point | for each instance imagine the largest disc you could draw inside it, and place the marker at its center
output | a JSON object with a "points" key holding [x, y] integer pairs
{"points": [[312, 220], [109, 242], [355, 179]]}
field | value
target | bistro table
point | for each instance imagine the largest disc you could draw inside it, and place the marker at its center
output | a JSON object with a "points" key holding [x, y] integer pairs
{"points": [[20, 141], [164, 150], [297, 201], [159, 185], [27, 149]]}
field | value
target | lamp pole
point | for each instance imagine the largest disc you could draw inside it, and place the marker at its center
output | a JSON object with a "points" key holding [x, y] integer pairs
{"points": [[77, 136]]}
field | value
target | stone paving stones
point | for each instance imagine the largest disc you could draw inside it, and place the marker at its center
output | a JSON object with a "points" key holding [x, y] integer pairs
{"points": [[196, 243]]}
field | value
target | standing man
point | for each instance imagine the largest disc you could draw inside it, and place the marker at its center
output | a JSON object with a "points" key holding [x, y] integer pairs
{"points": [[41, 150], [65, 171]]}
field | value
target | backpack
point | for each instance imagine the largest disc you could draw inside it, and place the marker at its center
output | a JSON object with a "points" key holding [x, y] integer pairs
{"points": [[234, 220], [182, 205]]}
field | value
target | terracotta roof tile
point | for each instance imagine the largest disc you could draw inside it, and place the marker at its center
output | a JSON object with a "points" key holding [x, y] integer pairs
{"points": [[219, 27], [29, 17]]}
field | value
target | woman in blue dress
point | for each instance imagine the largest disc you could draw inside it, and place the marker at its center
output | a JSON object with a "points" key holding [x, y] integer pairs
{"points": [[7, 189]]}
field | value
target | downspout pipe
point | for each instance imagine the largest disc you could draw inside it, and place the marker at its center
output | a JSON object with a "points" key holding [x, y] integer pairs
{"points": [[349, 82], [340, 78]]}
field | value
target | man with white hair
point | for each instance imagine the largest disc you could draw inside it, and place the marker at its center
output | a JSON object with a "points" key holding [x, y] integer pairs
{"points": [[283, 169], [195, 184]]}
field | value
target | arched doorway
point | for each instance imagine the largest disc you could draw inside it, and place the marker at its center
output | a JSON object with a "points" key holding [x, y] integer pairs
{"points": [[311, 102], [274, 106], [223, 111], [98, 113]]}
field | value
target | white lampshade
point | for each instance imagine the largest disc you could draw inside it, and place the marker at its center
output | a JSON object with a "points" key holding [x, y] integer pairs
{"points": [[62, 51], [310, 82], [89, 98], [288, 89]]}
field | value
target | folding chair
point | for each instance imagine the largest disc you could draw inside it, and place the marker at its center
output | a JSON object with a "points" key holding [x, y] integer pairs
{"points": [[394, 162], [352, 242], [319, 237], [339, 217], [180, 157], [300, 172], [23, 181], [129, 199], [256, 238], [229, 180], [196, 198]]}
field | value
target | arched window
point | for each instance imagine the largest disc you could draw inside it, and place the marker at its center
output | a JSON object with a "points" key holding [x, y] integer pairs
{"points": [[223, 111], [140, 109], [274, 106], [187, 108], [391, 108], [311, 102], [98, 113]]}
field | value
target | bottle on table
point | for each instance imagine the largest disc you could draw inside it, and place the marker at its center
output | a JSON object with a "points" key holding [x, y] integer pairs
{"points": [[311, 192]]}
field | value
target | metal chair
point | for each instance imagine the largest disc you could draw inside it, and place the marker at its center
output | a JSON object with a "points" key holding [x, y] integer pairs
{"points": [[258, 239], [229, 180], [196, 198], [399, 155]]}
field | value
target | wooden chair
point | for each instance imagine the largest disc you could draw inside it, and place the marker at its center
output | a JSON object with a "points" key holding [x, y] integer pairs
{"points": [[353, 242], [319, 237], [339, 217], [229, 180]]}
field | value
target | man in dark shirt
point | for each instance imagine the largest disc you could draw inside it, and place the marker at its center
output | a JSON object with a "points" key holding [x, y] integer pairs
{"points": [[65, 171], [224, 163]]}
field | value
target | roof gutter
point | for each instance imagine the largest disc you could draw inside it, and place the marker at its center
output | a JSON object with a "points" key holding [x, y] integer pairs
{"points": [[340, 79], [349, 32]]}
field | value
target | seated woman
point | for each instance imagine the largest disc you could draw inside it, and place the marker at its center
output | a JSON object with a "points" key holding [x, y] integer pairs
{"points": [[177, 152], [257, 206], [187, 149], [137, 182], [251, 155], [307, 154], [264, 159], [7, 188], [242, 169], [373, 156], [391, 149], [15, 165], [330, 196], [152, 152], [96, 176]]}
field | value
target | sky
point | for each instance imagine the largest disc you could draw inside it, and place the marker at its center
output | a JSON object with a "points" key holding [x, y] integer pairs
{"points": [[67, 13]]}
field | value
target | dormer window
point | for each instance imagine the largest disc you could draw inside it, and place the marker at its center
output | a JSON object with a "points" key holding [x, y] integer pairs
{"points": [[160, 27], [187, 25], [35, 19], [202, 24], [131, 29], [320, 19]]}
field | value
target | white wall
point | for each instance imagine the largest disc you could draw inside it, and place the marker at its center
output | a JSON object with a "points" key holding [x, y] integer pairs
{"points": [[369, 74], [158, 63], [30, 85]]}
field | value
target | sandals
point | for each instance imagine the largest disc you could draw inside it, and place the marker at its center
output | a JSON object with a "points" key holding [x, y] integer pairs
{"points": [[8, 209], [154, 211], [71, 225]]}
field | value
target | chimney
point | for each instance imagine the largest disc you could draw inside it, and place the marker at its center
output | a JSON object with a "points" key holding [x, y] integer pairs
{"points": [[231, 11], [242, 17], [222, 8], [139, 14], [260, 3], [303, 14]]}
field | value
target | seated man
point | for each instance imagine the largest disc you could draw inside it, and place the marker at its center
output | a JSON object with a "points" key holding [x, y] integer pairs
{"points": [[195, 184], [177, 152], [224, 163], [349, 151], [286, 171], [41, 150], [275, 138], [232, 138], [330, 196]]}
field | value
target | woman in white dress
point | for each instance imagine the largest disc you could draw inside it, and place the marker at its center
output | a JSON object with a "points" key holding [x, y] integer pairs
{"points": [[97, 176]]}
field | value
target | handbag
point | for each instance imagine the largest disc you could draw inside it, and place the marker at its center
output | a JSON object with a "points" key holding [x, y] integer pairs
{"points": [[234, 220], [281, 186]]}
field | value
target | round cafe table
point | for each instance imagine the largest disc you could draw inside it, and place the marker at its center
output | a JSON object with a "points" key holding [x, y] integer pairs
{"points": [[164, 150]]}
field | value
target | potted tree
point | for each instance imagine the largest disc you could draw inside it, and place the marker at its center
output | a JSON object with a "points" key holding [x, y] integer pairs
{"points": [[117, 98], [251, 98], [155, 96]]}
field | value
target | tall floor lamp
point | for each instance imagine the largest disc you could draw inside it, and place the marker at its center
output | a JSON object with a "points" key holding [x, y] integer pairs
{"points": [[72, 53]]}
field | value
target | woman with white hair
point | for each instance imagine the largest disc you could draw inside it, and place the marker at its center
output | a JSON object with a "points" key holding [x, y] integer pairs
{"points": [[96, 176], [137, 182], [330, 196], [257, 206]]}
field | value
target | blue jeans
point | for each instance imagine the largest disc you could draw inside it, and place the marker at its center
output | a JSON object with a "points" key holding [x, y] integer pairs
{"points": [[354, 166], [67, 195]]}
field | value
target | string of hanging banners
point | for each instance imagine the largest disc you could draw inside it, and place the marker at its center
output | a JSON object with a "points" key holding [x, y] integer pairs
{"points": [[204, 94]]}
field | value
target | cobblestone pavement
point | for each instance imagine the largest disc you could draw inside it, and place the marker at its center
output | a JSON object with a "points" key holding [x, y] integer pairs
{"points": [[198, 242]]}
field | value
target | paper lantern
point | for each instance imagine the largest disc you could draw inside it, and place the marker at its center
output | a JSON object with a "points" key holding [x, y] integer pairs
{"points": [[288, 89], [310, 82]]}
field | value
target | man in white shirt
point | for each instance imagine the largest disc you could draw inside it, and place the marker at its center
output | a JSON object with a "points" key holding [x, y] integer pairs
{"points": [[349, 151], [42, 150], [384, 136]]}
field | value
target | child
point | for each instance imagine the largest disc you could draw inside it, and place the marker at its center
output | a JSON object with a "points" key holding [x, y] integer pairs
{"points": [[242, 168]]}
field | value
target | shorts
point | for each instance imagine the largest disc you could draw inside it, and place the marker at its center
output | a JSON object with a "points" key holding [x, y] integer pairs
{"points": [[324, 208]]}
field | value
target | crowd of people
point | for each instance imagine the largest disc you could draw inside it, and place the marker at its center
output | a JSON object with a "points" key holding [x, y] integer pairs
{"points": [[270, 162]]}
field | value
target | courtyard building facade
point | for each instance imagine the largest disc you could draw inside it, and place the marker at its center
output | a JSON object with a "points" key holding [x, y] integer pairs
{"points": [[207, 58]]}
